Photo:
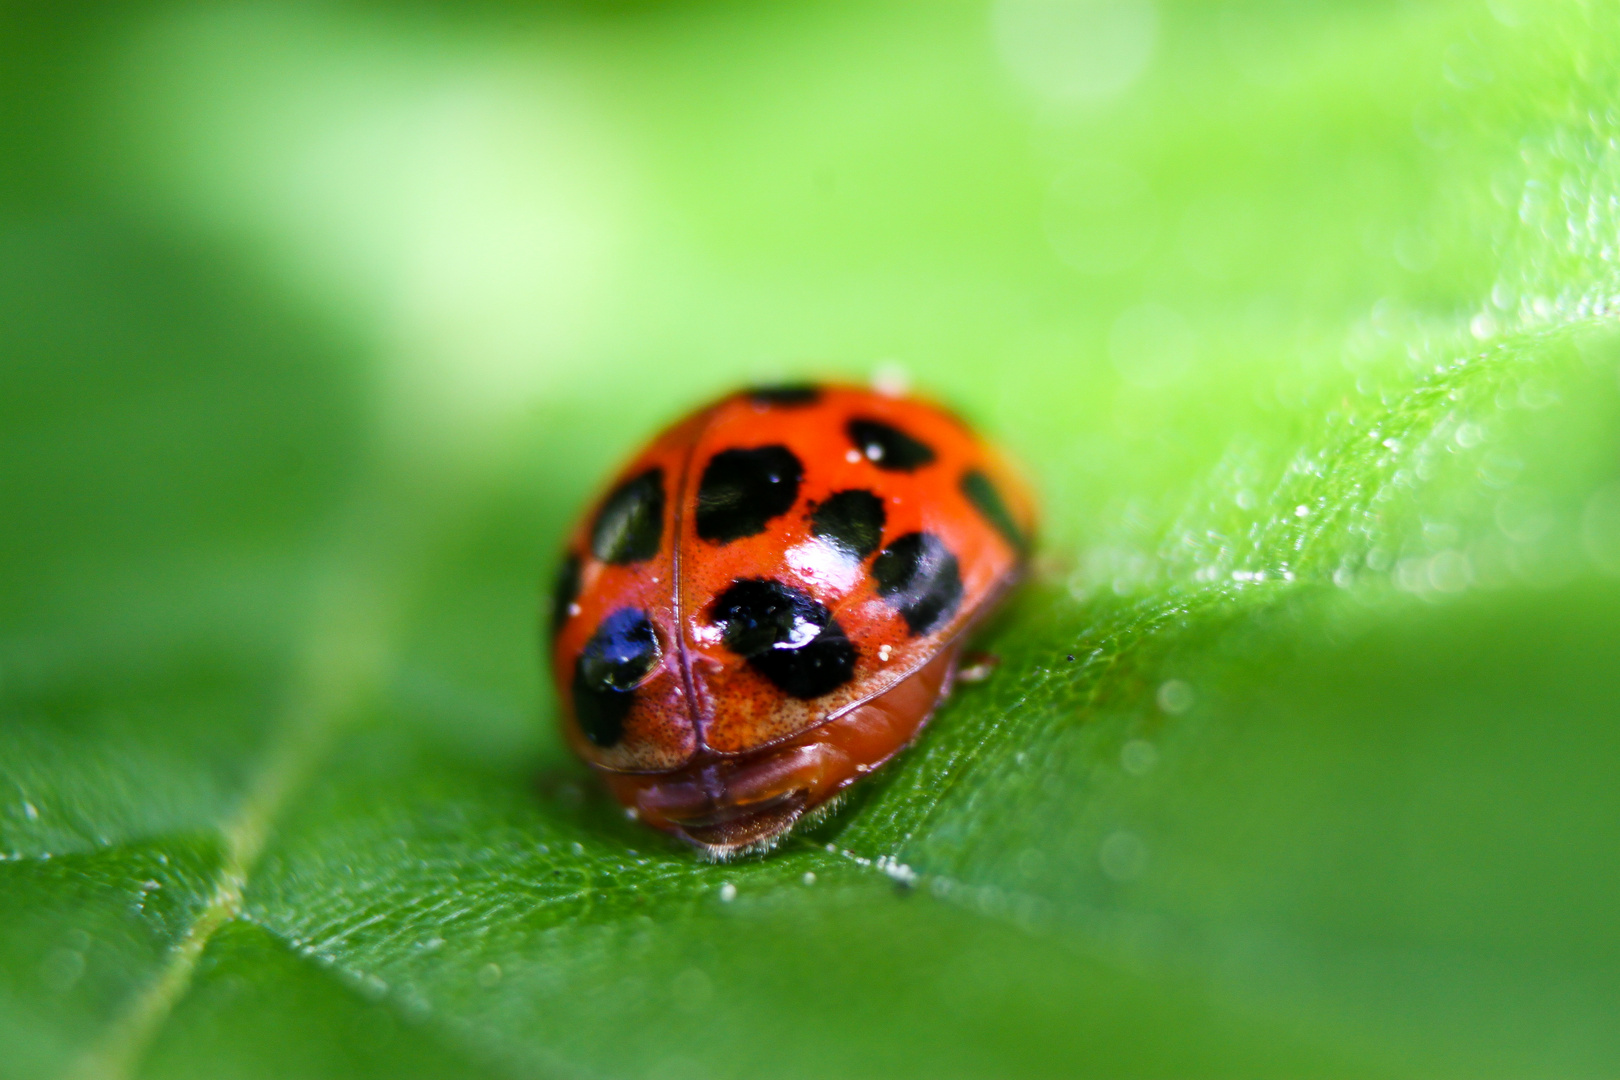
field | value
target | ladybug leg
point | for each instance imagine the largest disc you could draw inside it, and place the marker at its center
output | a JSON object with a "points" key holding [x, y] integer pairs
{"points": [[977, 666]]}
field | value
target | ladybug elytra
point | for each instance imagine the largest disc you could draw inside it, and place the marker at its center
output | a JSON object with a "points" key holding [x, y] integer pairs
{"points": [[770, 601]]}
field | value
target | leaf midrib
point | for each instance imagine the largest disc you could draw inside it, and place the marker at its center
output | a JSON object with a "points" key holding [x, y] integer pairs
{"points": [[342, 666]]}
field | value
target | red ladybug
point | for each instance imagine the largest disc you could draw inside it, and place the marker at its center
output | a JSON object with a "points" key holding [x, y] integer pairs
{"points": [[771, 600]]}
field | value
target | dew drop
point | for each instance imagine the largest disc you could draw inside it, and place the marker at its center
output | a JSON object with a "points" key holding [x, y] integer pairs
{"points": [[1123, 856], [1175, 696], [1138, 757]]}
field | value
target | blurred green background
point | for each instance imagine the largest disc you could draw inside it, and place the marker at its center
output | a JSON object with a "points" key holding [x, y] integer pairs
{"points": [[319, 322]]}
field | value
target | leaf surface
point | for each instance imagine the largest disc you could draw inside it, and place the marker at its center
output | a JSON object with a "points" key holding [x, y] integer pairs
{"points": [[322, 324]]}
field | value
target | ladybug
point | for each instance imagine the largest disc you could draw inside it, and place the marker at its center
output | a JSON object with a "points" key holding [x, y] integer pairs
{"points": [[771, 599]]}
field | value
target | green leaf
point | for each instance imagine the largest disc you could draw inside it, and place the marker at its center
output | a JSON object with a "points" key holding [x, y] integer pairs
{"points": [[322, 323]]}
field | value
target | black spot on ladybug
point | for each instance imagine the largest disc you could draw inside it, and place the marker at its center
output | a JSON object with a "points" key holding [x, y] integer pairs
{"points": [[743, 489], [619, 655], [631, 521], [853, 520], [787, 395], [786, 636], [986, 499], [564, 591], [919, 577], [888, 447]]}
